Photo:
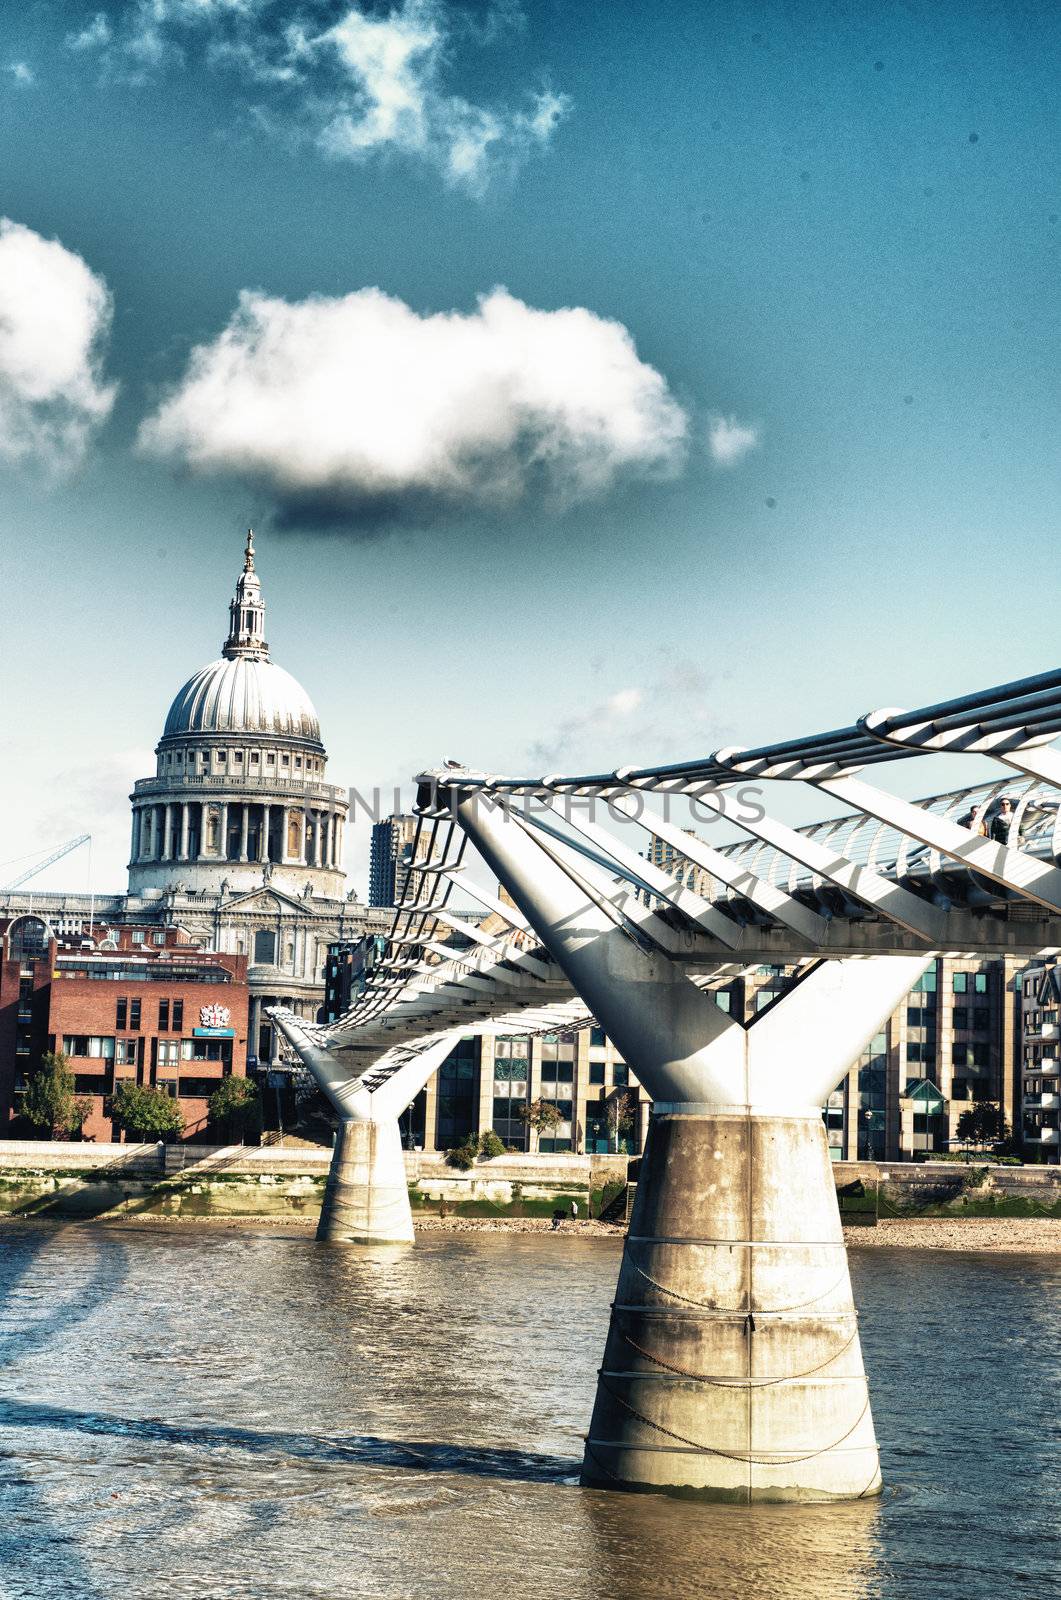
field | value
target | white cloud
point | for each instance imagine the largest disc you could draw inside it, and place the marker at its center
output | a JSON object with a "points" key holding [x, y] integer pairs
{"points": [[729, 441], [361, 409], [22, 73], [370, 83], [93, 36], [54, 317], [669, 716]]}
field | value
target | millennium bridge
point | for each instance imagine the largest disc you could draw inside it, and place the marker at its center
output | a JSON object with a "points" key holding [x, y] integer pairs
{"points": [[732, 1367]]}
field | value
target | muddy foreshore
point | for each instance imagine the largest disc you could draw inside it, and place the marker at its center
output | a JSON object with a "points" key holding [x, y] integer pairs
{"points": [[1015, 1235]]}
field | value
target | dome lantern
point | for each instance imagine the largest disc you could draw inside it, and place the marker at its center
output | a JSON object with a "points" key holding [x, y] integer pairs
{"points": [[246, 633]]}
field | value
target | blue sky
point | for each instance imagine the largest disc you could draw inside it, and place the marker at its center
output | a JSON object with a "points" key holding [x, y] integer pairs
{"points": [[834, 228]]}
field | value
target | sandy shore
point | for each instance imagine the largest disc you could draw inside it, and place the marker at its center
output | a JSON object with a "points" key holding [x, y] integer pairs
{"points": [[1030, 1235], [1040, 1236], [1020, 1235]]}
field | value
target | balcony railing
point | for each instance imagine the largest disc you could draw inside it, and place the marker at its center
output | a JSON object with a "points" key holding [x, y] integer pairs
{"points": [[260, 786]]}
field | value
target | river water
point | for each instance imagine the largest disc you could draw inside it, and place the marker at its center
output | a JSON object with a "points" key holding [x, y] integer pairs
{"points": [[215, 1413]]}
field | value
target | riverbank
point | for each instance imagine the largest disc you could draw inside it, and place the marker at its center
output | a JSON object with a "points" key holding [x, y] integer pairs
{"points": [[977, 1235], [1034, 1235]]}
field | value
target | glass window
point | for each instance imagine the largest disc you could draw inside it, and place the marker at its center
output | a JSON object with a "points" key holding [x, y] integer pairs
{"points": [[620, 1074], [980, 983], [134, 1015], [961, 1016], [121, 1013], [163, 1014], [596, 1072], [264, 946], [596, 1036], [178, 1014], [961, 980]]}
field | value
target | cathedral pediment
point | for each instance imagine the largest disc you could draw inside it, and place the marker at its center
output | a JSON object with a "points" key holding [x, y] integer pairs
{"points": [[267, 902]]}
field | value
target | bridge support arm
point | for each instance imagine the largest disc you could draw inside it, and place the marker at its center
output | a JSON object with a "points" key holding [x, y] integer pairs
{"points": [[732, 1369], [366, 1197]]}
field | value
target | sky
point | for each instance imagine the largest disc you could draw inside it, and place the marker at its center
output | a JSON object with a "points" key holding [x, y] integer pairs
{"points": [[605, 383]]}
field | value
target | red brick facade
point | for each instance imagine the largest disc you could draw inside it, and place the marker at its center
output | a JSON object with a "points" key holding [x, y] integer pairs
{"points": [[150, 1007]]}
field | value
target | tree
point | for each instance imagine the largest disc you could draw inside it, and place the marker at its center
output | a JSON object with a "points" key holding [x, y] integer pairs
{"points": [[236, 1105], [150, 1113], [540, 1116], [50, 1103], [982, 1124], [620, 1112]]}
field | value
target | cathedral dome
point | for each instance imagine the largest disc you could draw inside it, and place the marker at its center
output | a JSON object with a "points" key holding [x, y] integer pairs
{"points": [[243, 694]]}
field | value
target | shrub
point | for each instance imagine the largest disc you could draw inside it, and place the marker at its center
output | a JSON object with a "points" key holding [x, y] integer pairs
{"points": [[463, 1157], [151, 1113], [490, 1145]]}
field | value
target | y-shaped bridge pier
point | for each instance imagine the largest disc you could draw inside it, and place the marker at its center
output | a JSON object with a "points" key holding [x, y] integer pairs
{"points": [[732, 1368]]}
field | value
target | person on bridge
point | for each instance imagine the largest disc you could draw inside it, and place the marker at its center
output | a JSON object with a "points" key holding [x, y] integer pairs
{"points": [[1000, 827]]}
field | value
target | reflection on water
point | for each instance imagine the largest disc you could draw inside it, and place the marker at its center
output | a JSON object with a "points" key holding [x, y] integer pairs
{"points": [[190, 1413]]}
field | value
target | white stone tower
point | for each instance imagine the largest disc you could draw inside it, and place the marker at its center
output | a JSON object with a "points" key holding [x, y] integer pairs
{"points": [[239, 796]]}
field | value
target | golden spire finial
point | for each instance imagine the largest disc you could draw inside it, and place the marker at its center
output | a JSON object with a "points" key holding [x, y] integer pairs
{"points": [[248, 554]]}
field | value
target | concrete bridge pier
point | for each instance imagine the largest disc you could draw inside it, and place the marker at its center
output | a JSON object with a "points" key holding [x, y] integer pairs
{"points": [[732, 1369], [366, 1197]]}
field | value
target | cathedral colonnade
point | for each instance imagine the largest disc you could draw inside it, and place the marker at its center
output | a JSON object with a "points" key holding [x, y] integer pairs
{"points": [[240, 831]]}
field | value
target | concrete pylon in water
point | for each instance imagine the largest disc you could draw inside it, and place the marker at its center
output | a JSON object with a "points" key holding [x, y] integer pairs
{"points": [[366, 1197], [732, 1369]]}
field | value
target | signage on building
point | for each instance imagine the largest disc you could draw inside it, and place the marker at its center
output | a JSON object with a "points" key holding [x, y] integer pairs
{"points": [[213, 1033]]}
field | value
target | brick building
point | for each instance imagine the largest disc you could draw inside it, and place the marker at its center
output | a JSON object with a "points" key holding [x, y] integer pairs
{"points": [[142, 1004]]}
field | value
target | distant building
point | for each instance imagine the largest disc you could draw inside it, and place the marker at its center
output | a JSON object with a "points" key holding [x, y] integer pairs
{"points": [[142, 1006], [237, 838], [391, 854], [1040, 1058], [670, 860]]}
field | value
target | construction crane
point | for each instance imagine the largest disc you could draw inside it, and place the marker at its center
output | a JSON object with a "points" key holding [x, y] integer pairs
{"points": [[56, 855]]}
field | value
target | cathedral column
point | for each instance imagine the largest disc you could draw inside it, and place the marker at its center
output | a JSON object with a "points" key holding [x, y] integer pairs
{"points": [[167, 843], [203, 854], [255, 1029], [185, 823], [156, 833], [244, 829], [134, 849], [263, 853], [329, 838], [224, 830], [285, 833], [318, 839]]}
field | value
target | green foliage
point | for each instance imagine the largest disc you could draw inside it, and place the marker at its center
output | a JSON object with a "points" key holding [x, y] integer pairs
{"points": [[236, 1105], [621, 1110], [49, 1101], [982, 1123], [490, 1145], [541, 1115], [463, 1157], [149, 1113]]}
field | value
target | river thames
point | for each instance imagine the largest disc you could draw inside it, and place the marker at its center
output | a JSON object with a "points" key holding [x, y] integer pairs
{"points": [[206, 1412]]}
